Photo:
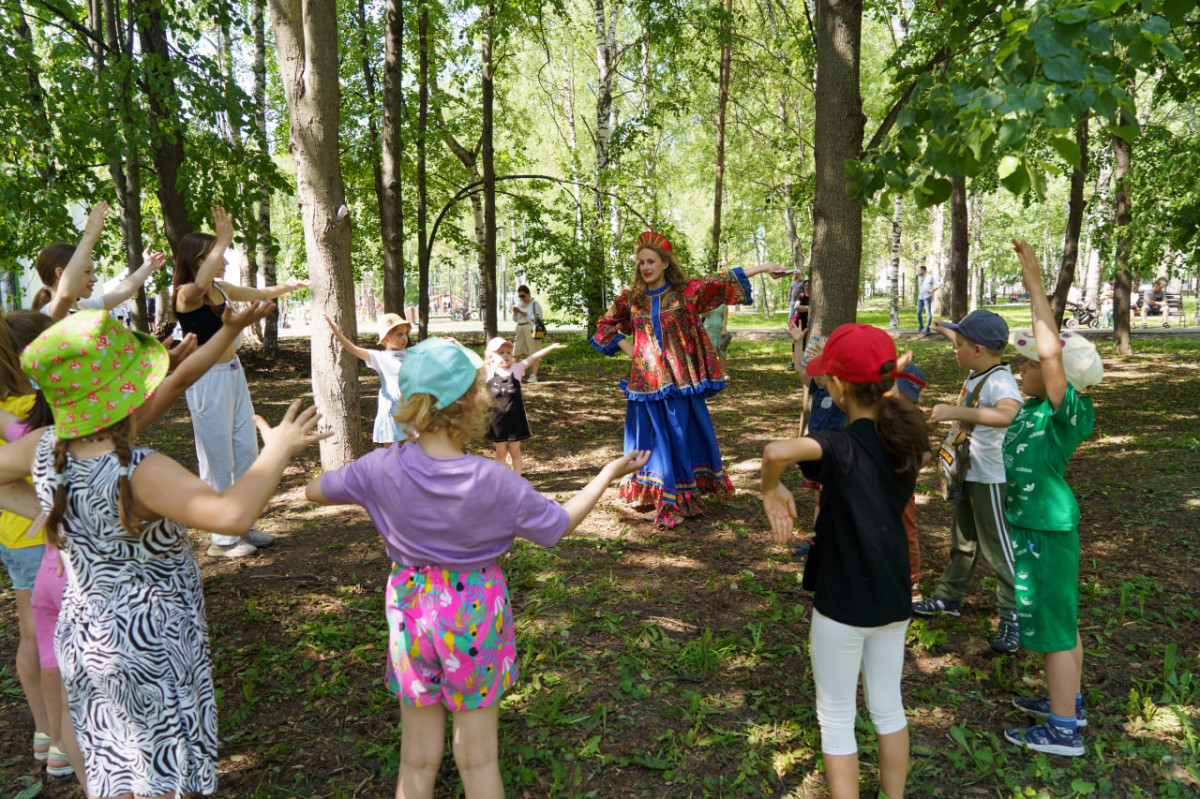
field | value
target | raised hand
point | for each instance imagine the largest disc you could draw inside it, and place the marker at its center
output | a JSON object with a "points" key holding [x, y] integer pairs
{"points": [[180, 352], [795, 330], [154, 259], [95, 220], [781, 512], [252, 313], [1031, 271], [296, 284], [295, 431], [628, 463], [223, 224]]}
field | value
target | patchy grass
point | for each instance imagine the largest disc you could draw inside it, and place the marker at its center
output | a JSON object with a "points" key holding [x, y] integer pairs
{"points": [[675, 663]]}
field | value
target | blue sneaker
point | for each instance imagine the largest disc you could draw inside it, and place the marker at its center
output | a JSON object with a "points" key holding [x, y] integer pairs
{"points": [[803, 550], [1040, 707], [937, 604], [1047, 738], [1008, 639]]}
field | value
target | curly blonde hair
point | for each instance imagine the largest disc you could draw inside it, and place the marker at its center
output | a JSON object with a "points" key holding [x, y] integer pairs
{"points": [[462, 419], [673, 273]]}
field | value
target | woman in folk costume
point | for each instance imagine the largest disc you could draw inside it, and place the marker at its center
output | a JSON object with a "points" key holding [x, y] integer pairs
{"points": [[658, 323]]}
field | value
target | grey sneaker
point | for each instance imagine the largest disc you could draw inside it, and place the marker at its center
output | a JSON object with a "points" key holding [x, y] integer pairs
{"points": [[258, 538], [238, 549], [1040, 707], [935, 605], [1008, 638]]}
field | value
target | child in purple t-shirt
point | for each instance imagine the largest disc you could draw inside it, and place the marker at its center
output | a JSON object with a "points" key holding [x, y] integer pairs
{"points": [[452, 646]]}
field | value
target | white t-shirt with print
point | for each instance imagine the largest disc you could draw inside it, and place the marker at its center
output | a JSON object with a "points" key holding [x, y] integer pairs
{"points": [[987, 458]]}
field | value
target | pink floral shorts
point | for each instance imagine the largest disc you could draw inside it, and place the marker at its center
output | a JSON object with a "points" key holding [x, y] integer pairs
{"points": [[451, 637]]}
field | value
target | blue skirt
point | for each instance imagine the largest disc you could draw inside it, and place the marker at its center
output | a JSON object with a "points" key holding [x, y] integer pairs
{"points": [[685, 462]]}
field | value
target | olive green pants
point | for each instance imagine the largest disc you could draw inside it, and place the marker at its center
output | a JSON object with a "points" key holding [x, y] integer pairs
{"points": [[980, 526]]}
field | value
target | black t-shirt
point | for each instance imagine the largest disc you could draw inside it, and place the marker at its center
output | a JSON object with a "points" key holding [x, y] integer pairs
{"points": [[862, 567]]}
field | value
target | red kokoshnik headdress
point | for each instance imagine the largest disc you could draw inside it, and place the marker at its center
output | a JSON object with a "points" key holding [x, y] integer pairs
{"points": [[657, 239]]}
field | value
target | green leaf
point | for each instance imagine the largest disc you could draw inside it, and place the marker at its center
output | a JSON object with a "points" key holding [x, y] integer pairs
{"points": [[1017, 180], [1127, 132], [1105, 105], [934, 191], [1156, 26], [1008, 165], [1176, 10], [1080, 785], [1071, 67], [1067, 149], [1056, 116], [1012, 132], [1171, 50]]}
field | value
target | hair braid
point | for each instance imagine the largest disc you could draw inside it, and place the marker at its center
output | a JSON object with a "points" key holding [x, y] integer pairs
{"points": [[59, 508], [121, 433]]}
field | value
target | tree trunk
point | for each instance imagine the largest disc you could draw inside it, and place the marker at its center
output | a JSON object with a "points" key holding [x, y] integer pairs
{"points": [[596, 277], [487, 274], [937, 247], [270, 328], [894, 265], [1075, 208], [166, 135], [837, 217], [976, 262], [722, 103], [959, 249], [308, 67], [393, 157], [1122, 216], [422, 192]]}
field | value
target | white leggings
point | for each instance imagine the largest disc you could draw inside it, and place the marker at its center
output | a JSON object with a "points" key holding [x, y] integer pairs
{"points": [[223, 423], [837, 651]]}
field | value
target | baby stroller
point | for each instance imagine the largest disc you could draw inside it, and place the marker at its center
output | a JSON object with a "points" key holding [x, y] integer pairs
{"points": [[1081, 315]]}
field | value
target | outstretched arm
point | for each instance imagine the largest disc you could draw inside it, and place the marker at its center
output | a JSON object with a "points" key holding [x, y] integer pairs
{"points": [[773, 269], [247, 294], [777, 500], [70, 283], [162, 487], [198, 363], [194, 292], [151, 262], [1045, 331], [350, 346], [543, 352], [580, 505]]}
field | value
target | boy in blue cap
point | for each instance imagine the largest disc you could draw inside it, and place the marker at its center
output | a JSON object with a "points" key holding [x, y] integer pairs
{"points": [[989, 400]]}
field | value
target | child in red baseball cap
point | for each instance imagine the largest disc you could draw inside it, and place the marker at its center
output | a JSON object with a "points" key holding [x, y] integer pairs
{"points": [[859, 565]]}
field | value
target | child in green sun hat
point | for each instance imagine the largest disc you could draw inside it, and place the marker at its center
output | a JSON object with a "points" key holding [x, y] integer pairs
{"points": [[132, 640]]}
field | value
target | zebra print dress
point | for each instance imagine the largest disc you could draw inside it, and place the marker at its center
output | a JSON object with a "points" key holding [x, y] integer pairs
{"points": [[132, 640]]}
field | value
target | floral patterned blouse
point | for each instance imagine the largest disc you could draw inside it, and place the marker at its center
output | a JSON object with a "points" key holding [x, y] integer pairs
{"points": [[672, 354]]}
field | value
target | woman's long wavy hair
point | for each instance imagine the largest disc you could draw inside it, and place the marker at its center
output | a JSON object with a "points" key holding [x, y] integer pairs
{"points": [[900, 424], [462, 419], [54, 256], [122, 436], [673, 274], [193, 249]]}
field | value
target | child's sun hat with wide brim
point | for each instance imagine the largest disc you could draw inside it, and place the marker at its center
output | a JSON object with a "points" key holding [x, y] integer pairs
{"points": [[1081, 361], [389, 322], [93, 371]]}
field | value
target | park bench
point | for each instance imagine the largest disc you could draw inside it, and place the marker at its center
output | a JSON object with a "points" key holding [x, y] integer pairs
{"points": [[1175, 303]]}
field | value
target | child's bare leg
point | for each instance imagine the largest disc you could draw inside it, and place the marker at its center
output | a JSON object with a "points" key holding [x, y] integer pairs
{"points": [[502, 452], [477, 751], [29, 670], [514, 449], [893, 763], [841, 772], [1064, 674], [816, 506], [70, 745], [422, 742]]}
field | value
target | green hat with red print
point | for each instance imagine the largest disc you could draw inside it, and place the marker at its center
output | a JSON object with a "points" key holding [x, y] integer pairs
{"points": [[93, 371]]}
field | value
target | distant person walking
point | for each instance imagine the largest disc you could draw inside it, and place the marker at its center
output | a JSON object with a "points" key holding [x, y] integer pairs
{"points": [[926, 286], [527, 313]]}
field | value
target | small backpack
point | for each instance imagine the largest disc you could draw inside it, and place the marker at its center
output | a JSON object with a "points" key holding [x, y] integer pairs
{"points": [[954, 453]]}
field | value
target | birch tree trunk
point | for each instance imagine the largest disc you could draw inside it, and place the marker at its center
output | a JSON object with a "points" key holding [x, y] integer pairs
{"points": [[837, 217], [606, 34], [941, 295], [722, 103], [308, 67], [894, 265]]}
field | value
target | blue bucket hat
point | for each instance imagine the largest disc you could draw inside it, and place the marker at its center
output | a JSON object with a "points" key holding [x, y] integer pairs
{"points": [[438, 367]]}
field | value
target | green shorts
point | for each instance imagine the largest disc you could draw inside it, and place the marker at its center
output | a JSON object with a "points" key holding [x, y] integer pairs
{"points": [[1046, 568]]}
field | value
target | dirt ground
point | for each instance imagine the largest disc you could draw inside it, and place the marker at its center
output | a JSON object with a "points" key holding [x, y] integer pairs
{"points": [[675, 663]]}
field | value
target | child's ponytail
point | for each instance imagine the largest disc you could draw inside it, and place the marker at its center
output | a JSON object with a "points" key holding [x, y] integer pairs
{"points": [[901, 426], [54, 256], [120, 433]]}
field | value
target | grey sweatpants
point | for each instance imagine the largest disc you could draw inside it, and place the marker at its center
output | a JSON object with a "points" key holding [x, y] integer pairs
{"points": [[223, 423], [980, 526]]}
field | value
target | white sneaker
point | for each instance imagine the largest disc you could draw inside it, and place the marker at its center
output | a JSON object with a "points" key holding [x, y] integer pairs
{"points": [[238, 549], [258, 538], [530, 379]]}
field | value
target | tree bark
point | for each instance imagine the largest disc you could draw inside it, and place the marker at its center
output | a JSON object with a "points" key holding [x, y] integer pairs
{"points": [[392, 202], [422, 192], [1122, 216], [487, 274], [308, 66], [166, 135], [266, 244], [959, 249], [838, 134], [606, 56], [722, 103], [938, 246], [1075, 208], [381, 197]]}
